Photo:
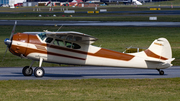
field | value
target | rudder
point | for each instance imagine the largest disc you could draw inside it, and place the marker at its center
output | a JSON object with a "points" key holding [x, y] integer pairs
{"points": [[160, 49]]}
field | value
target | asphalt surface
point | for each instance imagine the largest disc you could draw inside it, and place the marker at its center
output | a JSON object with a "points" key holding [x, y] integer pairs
{"points": [[87, 72], [88, 23]]}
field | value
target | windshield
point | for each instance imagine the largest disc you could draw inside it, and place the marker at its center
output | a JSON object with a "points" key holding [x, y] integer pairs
{"points": [[42, 36]]}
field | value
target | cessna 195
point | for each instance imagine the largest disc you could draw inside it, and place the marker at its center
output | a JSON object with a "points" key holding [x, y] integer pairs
{"points": [[69, 47]]}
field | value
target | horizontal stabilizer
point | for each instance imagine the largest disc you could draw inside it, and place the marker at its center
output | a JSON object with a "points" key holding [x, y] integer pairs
{"points": [[151, 60], [157, 60], [170, 60]]}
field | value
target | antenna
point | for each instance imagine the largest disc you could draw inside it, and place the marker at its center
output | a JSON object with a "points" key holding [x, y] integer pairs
{"points": [[59, 28]]}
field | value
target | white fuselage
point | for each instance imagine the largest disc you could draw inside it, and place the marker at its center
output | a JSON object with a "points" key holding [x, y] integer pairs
{"points": [[87, 55]]}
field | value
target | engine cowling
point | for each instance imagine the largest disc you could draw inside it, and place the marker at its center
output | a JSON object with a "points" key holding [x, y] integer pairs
{"points": [[19, 44]]}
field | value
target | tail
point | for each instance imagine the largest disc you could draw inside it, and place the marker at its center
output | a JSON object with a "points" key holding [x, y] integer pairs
{"points": [[160, 51], [158, 55]]}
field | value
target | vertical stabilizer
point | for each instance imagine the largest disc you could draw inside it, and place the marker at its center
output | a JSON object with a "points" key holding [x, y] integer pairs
{"points": [[160, 49]]}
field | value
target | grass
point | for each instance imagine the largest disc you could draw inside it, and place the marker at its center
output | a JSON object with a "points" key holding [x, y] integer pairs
{"points": [[114, 38], [91, 89]]}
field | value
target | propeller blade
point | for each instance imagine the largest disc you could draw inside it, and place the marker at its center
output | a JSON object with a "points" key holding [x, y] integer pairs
{"points": [[5, 54], [12, 33], [7, 41]]}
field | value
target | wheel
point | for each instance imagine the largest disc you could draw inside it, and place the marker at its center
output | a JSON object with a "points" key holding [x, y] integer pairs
{"points": [[39, 72], [26, 71], [161, 72]]}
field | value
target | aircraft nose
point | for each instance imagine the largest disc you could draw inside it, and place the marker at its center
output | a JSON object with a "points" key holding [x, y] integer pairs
{"points": [[7, 42]]}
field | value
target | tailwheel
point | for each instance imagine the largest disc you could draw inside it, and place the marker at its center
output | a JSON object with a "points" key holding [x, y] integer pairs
{"points": [[27, 71], [161, 72], [39, 72]]}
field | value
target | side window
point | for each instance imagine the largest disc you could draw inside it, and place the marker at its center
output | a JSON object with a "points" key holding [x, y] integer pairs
{"points": [[76, 46], [49, 40], [55, 42], [59, 42], [68, 44]]}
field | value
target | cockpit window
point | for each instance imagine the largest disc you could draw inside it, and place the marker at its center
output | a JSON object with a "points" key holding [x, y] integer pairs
{"points": [[68, 44], [59, 42], [76, 46], [42, 36], [49, 40]]}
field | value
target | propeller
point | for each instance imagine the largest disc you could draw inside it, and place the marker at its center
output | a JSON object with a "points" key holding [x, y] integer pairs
{"points": [[8, 41], [12, 33], [5, 54]]}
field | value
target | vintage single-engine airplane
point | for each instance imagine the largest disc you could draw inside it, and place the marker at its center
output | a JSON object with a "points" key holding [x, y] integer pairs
{"points": [[69, 47]]}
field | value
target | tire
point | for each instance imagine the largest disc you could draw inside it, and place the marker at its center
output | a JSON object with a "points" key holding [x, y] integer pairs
{"points": [[39, 72], [161, 72], [26, 71]]}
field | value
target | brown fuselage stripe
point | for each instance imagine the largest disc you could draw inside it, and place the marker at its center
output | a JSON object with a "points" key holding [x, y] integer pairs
{"points": [[151, 54], [105, 53]]}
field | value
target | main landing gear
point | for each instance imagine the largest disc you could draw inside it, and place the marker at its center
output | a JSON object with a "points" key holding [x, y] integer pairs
{"points": [[161, 72], [38, 71], [27, 71]]}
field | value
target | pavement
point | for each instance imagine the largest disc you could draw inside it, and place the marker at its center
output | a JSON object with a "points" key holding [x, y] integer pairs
{"points": [[89, 23], [88, 72]]}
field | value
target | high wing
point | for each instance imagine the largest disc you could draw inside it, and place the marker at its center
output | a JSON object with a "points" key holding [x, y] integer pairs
{"points": [[70, 35]]}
